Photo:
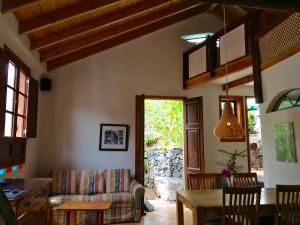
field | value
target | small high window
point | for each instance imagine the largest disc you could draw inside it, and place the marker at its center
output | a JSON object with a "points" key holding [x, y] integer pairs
{"points": [[196, 38], [285, 100]]}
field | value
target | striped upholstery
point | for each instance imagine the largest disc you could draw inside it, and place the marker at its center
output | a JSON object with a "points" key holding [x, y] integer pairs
{"points": [[122, 209], [117, 180], [77, 182], [93, 185]]}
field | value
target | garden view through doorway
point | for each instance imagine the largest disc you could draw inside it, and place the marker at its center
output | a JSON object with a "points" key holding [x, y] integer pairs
{"points": [[163, 156]]}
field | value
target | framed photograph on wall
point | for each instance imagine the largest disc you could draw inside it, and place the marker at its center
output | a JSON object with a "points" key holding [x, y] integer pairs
{"points": [[113, 137]]}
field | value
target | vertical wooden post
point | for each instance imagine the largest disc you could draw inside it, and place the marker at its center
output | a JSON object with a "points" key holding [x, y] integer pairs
{"points": [[253, 48], [212, 56]]}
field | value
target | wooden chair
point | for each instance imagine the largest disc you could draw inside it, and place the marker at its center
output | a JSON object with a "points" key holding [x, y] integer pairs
{"points": [[287, 205], [6, 211], [245, 180], [202, 181], [240, 206]]}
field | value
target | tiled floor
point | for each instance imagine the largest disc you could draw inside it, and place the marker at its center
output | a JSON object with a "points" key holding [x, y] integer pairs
{"points": [[164, 214]]}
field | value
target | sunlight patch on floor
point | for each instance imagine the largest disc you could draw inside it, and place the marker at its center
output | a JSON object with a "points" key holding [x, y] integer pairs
{"points": [[164, 213]]}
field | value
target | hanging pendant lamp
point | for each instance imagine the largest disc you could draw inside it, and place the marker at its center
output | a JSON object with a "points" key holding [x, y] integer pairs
{"points": [[228, 126]]}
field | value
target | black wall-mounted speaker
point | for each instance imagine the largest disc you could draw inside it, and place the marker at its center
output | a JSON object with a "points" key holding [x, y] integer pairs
{"points": [[45, 84]]}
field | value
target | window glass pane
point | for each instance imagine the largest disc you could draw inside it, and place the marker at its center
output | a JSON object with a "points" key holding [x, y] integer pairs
{"points": [[21, 105], [285, 103], [9, 99], [232, 106], [293, 96], [11, 75], [20, 127], [8, 125], [22, 84]]}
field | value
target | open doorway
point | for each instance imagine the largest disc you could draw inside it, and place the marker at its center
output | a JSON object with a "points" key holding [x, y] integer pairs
{"points": [[163, 148], [254, 138]]}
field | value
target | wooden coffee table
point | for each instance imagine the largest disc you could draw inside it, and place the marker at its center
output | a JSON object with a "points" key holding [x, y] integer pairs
{"points": [[72, 207]]}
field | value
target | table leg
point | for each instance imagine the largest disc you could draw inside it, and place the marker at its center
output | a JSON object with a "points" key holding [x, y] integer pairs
{"points": [[198, 216], [72, 217], [179, 211]]}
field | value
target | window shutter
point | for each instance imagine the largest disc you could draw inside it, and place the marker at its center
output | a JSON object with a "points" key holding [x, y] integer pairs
{"points": [[32, 108], [3, 75]]}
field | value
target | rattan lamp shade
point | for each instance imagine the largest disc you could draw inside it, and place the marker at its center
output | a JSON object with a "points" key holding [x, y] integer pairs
{"points": [[228, 127]]}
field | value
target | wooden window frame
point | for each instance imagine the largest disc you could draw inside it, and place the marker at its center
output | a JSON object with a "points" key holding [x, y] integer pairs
{"points": [[238, 110], [20, 67], [13, 146]]}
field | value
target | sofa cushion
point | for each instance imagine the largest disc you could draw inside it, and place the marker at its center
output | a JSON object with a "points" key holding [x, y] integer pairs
{"points": [[97, 182], [77, 182], [125, 198], [117, 180], [64, 182], [57, 200]]}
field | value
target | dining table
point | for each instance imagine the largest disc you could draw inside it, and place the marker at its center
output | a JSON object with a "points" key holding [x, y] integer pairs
{"points": [[210, 201]]}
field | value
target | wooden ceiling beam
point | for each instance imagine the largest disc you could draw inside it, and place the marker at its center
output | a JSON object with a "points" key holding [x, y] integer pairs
{"points": [[128, 36], [95, 23], [13, 5], [273, 5], [108, 32], [61, 15], [238, 82]]}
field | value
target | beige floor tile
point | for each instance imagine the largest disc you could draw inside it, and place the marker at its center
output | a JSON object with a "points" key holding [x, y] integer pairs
{"points": [[164, 214]]}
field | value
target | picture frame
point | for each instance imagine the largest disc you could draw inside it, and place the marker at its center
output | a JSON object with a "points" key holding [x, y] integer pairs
{"points": [[113, 137]]}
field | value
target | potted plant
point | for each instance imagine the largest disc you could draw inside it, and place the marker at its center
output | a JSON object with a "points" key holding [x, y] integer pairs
{"points": [[230, 168]]}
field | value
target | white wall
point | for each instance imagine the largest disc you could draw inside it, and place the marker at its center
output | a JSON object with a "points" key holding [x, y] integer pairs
{"points": [[20, 46], [275, 79], [102, 89]]}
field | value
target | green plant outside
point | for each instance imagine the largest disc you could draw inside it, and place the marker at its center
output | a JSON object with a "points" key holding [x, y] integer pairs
{"points": [[163, 124]]}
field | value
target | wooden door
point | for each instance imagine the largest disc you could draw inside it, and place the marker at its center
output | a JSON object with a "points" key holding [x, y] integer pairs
{"points": [[193, 136]]}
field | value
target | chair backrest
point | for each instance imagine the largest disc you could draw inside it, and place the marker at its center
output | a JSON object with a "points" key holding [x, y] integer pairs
{"points": [[245, 180], [6, 211], [202, 181], [240, 205], [287, 205]]}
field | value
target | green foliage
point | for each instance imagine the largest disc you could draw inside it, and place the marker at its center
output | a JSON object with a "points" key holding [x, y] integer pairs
{"points": [[235, 154], [251, 121], [163, 124], [230, 165]]}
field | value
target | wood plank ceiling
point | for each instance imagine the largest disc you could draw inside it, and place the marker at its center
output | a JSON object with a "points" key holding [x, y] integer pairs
{"points": [[64, 31]]}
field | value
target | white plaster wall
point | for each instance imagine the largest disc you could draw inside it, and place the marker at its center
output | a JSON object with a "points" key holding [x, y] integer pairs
{"points": [[102, 89], [21, 46], [275, 79]]}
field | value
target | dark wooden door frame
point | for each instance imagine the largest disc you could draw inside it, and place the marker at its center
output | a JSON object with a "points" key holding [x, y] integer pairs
{"points": [[247, 132]]}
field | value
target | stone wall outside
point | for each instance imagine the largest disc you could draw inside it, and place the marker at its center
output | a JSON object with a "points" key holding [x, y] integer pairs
{"points": [[164, 174]]}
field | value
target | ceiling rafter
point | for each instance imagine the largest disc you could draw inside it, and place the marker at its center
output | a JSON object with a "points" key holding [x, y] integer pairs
{"points": [[128, 36], [95, 23], [13, 5], [66, 47], [238, 82], [62, 15]]}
